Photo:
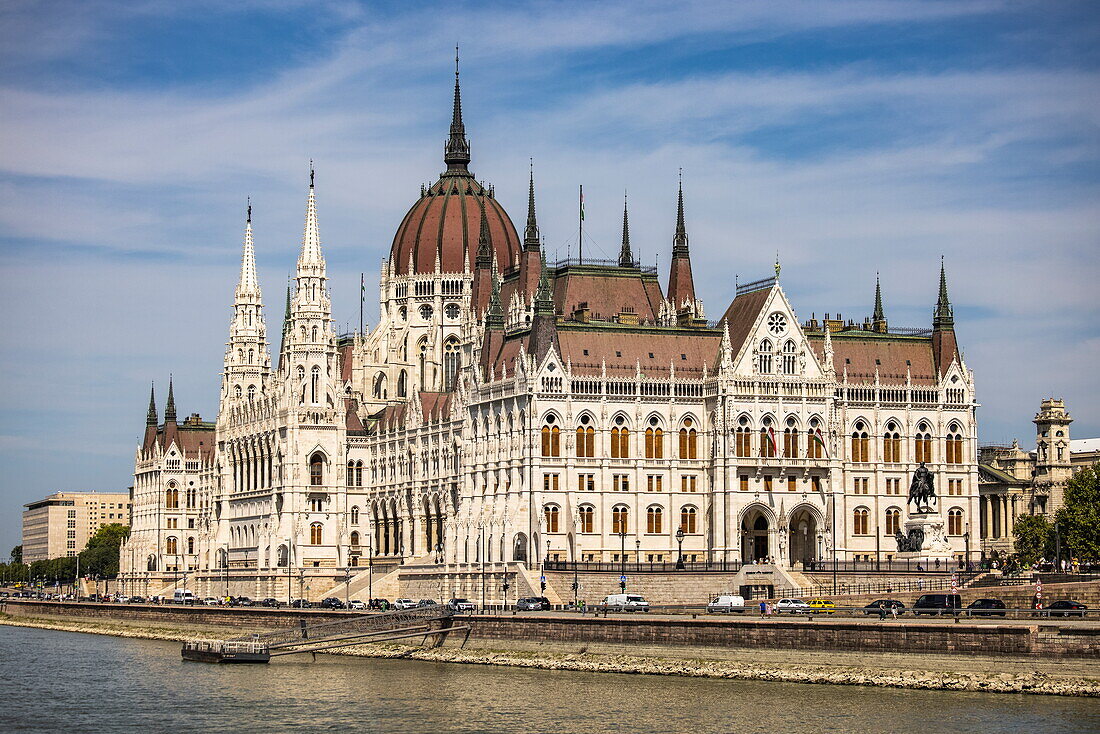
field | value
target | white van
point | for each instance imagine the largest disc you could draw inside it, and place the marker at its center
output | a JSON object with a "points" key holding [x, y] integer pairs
{"points": [[626, 603], [184, 596], [726, 603]]}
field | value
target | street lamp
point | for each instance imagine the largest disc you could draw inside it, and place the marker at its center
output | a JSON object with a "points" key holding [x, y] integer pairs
{"points": [[966, 540], [504, 586], [347, 586], [370, 571], [439, 552], [680, 543], [542, 576], [622, 557], [225, 566]]}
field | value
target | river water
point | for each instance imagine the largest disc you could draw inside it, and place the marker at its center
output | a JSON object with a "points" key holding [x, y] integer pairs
{"points": [[62, 681]]}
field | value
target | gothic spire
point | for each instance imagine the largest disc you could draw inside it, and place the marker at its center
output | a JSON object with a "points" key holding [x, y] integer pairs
{"points": [[680, 239], [878, 315], [170, 408], [311, 236], [248, 283], [151, 417], [944, 317], [544, 298], [494, 315], [456, 153], [626, 258], [484, 242], [531, 234]]}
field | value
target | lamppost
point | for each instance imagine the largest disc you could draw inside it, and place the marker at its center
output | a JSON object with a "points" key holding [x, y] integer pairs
{"points": [[481, 562], [370, 571], [622, 557], [439, 553], [347, 586], [680, 554], [504, 586], [542, 576], [289, 600], [225, 566], [638, 551], [966, 540]]}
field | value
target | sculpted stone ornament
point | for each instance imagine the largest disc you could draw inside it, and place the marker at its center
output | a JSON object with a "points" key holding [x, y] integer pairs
{"points": [[922, 490], [911, 543]]}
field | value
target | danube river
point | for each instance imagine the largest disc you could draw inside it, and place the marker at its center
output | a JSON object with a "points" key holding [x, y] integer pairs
{"points": [[62, 681]]}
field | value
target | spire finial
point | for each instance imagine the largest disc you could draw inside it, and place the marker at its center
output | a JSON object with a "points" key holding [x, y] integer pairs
{"points": [[879, 314], [248, 285], [626, 257], [311, 235], [170, 408], [531, 234], [777, 265], [944, 317], [456, 153], [680, 239], [311, 173], [151, 416], [249, 218]]}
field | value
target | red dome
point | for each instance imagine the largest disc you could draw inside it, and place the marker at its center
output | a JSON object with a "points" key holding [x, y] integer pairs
{"points": [[446, 222]]}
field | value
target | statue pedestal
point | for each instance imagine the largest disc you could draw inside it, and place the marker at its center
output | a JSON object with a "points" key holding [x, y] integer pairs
{"points": [[932, 536]]}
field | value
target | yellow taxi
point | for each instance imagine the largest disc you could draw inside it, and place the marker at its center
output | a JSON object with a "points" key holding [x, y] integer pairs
{"points": [[822, 605]]}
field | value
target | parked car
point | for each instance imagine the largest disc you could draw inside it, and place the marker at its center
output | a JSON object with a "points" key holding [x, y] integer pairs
{"points": [[986, 608], [1065, 608], [357, 604], [137, 599], [626, 603], [937, 604], [822, 605], [791, 606], [243, 601], [880, 605], [726, 603], [210, 601], [270, 602], [533, 604], [461, 605], [331, 603], [404, 604], [122, 599], [380, 605], [302, 604], [427, 603]]}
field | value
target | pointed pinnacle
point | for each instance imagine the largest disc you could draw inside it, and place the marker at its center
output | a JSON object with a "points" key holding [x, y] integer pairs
{"points": [[879, 314], [680, 239], [151, 416], [456, 153], [944, 316], [170, 408], [484, 239], [311, 236], [531, 234], [626, 258], [248, 283]]}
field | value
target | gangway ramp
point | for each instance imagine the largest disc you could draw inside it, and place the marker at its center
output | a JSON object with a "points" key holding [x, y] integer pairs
{"points": [[434, 622]]}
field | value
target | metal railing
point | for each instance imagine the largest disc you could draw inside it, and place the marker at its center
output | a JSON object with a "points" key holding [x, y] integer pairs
{"points": [[644, 566], [310, 633]]}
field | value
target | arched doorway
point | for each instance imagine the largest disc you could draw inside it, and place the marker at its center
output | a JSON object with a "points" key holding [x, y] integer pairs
{"points": [[754, 532], [803, 537], [519, 548]]}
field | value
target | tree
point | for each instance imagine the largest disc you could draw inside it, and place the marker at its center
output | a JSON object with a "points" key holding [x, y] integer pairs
{"points": [[1079, 518], [100, 555], [17, 554], [1034, 539]]}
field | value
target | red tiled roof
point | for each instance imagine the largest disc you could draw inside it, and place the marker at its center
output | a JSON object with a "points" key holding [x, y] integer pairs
{"points": [[742, 314], [623, 349], [860, 354]]}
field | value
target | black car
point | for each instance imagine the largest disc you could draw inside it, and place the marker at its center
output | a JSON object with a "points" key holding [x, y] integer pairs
{"points": [[332, 603], [380, 605], [986, 608], [1065, 608], [137, 599], [270, 602], [880, 605], [302, 604], [937, 604], [426, 603], [533, 604], [243, 601]]}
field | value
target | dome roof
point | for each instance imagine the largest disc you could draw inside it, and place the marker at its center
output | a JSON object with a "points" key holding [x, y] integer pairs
{"points": [[444, 226]]}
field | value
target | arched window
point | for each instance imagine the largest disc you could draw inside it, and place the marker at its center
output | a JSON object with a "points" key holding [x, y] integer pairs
{"points": [[955, 521], [891, 445], [251, 393], [588, 518], [654, 519], [359, 474], [688, 517], [402, 384], [380, 386], [251, 355], [314, 334], [238, 392], [620, 520], [620, 439], [767, 440], [744, 437], [172, 498], [922, 445], [551, 513], [815, 442], [354, 538], [860, 443], [788, 358], [422, 361], [893, 521], [191, 546], [316, 533], [551, 437], [316, 470], [765, 357], [315, 385], [355, 515], [860, 521], [450, 363], [790, 439], [689, 447], [170, 546], [654, 441], [351, 473], [586, 438], [954, 447]]}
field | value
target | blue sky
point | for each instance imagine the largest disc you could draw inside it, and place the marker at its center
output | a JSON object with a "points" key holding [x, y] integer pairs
{"points": [[853, 137]]}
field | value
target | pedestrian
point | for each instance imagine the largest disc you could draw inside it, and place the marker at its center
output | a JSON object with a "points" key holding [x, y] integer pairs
{"points": [[920, 584], [937, 564], [894, 611], [763, 608]]}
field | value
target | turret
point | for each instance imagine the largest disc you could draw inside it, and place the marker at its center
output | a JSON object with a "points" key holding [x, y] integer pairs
{"points": [[530, 264], [456, 152], [878, 318], [944, 347], [626, 257], [681, 285], [247, 358]]}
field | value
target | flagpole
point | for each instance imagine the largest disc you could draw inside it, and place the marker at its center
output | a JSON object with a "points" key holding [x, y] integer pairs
{"points": [[362, 290], [580, 228]]}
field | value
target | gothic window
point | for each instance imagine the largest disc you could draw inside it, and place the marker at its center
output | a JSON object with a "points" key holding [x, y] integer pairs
{"points": [[620, 439], [893, 521], [170, 547], [351, 474], [191, 546], [451, 310], [860, 443], [777, 324], [316, 470], [954, 446], [587, 517], [402, 388], [814, 440], [654, 441], [744, 437], [380, 386], [251, 393], [450, 362], [860, 521], [955, 522], [790, 439], [767, 440], [314, 385], [359, 474], [422, 360], [354, 538], [316, 533], [426, 312], [891, 445], [172, 498], [922, 445], [654, 519], [765, 357], [314, 334], [788, 358], [237, 391], [551, 513], [688, 517], [551, 437], [620, 520], [688, 440], [251, 355], [586, 438], [355, 515]]}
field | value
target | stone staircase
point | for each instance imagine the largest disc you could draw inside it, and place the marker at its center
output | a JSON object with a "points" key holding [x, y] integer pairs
{"points": [[380, 582]]}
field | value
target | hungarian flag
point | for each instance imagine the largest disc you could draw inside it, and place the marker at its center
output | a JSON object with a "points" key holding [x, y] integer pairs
{"points": [[582, 203], [821, 441], [771, 437]]}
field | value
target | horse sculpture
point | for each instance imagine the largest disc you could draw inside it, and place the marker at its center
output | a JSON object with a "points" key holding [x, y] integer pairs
{"points": [[922, 491]]}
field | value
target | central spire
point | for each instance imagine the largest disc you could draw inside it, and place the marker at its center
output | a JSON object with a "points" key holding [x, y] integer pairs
{"points": [[311, 236], [456, 153], [680, 239], [531, 233], [248, 284], [626, 258]]}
